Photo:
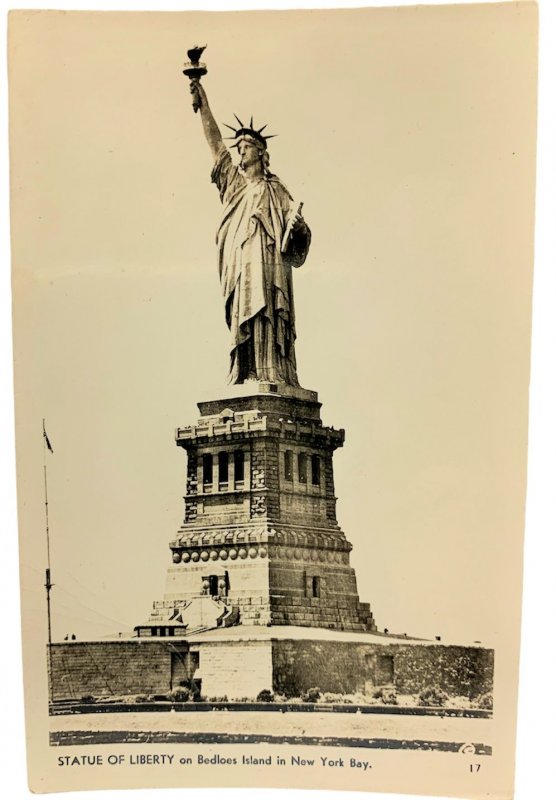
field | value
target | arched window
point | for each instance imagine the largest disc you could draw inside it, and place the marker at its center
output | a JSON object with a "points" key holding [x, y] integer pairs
{"points": [[239, 466], [223, 470], [288, 465], [302, 467], [315, 470], [207, 469]]}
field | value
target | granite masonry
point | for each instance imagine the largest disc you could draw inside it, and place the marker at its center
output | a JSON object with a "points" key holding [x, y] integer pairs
{"points": [[260, 543]]}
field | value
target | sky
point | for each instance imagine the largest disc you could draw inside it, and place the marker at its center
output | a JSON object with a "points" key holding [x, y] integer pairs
{"points": [[411, 146]]}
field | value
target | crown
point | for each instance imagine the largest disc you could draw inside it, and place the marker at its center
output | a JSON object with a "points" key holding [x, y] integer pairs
{"points": [[248, 130]]}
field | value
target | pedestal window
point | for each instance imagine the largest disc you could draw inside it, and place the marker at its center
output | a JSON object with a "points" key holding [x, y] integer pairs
{"points": [[239, 468], [207, 469], [315, 470], [222, 471], [302, 467], [288, 465]]}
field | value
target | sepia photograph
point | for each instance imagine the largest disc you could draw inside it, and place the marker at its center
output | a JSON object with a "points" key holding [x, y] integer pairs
{"points": [[272, 277]]}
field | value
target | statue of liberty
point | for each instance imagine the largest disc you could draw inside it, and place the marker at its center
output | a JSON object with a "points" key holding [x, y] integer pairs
{"points": [[262, 235]]}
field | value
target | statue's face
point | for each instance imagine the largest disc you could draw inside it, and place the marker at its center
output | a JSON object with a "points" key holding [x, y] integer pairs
{"points": [[249, 154]]}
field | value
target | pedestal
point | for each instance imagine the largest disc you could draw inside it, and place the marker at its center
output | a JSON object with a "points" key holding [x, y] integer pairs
{"points": [[260, 543]]}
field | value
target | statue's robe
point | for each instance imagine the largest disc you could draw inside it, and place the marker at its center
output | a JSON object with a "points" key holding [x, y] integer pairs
{"points": [[256, 277]]}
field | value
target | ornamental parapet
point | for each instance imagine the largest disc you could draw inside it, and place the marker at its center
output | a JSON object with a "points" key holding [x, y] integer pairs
{"points": [[213, 427], [253, 422]]}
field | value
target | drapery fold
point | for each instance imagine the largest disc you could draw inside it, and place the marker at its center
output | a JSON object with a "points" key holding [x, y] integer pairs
{"points": [[255, 275]]}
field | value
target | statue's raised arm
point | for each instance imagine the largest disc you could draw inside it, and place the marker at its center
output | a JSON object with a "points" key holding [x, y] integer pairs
{"points": [[262, 235], [210, 127]]}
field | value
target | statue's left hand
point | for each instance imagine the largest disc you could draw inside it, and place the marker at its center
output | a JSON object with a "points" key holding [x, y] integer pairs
{"points": [[298, 222], [300, 239]]}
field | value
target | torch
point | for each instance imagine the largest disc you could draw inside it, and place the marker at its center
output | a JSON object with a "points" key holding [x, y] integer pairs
{"points": [[195, 70]]}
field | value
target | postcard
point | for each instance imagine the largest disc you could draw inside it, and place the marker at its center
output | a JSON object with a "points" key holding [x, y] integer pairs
{"points": [[272, 279]]}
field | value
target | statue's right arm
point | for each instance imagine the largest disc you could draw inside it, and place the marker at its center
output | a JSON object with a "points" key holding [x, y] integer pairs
{"points": [[210, 127]]}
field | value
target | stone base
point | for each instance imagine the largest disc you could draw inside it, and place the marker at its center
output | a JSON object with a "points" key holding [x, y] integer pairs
{"points": [[258, 388], [240, 662], [260, 533]]}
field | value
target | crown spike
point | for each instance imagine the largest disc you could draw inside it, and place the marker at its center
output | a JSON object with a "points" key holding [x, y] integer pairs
{"points": [[262, 129], [241, 125], [251, 123]]}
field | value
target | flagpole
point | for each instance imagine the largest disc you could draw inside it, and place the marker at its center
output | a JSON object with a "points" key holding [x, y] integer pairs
{"points": [[48, 584]]}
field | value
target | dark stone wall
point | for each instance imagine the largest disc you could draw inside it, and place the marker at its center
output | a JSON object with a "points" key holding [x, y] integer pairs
{"points": [[151, 666], [113, 668], [351, 667]]}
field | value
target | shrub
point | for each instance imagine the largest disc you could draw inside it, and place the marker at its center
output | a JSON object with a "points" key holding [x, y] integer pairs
{"points": [[265, 696], [484, 701], [433, 696], [87, 698], [387, 695], [335, 697], [460, 701], [180, 695], [193, 688], [140, 698], [223, 699], [311, 695], [338, 698]]}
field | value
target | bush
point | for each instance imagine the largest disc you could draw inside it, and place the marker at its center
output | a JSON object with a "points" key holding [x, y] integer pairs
{"points": [[265, 696], [484, 701], [311, 695], [140, 698], [192, 687], [387, 695], [460, 701], [87, 698], [433, 696], [180, 695], [223, 699], [334, 697]]}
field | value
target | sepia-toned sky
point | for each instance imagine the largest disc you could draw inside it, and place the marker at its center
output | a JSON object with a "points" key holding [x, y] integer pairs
{"points": [[411, 146]]}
